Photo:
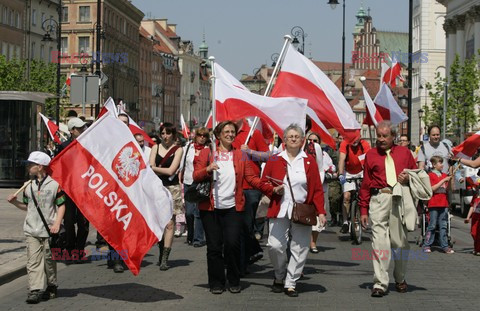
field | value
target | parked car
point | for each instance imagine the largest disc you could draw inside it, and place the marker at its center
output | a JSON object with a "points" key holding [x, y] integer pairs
{"points": [[463, 189]]}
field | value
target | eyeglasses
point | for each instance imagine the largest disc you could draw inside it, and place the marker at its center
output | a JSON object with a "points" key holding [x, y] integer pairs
{"points": [[203, 135], [405, 140], [293, 137], [313, 140]]}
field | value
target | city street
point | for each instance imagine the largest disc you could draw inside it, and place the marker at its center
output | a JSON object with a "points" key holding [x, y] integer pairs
{"points": [[333, 280]]}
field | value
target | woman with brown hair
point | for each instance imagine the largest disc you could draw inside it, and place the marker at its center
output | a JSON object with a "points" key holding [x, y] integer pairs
{"points": [[222, 214], [165, 159]]}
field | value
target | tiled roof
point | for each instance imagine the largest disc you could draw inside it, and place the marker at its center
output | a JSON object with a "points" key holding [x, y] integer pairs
{"points": [[331, 66], [393, 41]]}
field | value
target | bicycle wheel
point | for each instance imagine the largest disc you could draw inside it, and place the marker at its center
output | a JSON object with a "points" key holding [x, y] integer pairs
{"points": [[355, 224]]}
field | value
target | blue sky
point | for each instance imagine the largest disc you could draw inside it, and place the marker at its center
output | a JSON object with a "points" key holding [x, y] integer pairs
{"points": [[242, 35]]}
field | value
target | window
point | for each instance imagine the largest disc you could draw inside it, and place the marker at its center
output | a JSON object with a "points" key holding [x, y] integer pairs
{"points": [[18, 21], [34, 17], [32, 55], [84, 45], [5, 49], [11, 18], [64, 45], [65, 14], [5, 16], [84, 14], [50, 51], [43, 18], [17, 51], [42, 51]]}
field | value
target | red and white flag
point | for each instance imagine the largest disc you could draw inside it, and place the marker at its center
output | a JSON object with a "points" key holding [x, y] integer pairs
{"points": [[234, 101], [263, 128], [388, 107], [390, 76], [373, 115], [300, 77], [51, 127], [185, 130], [115, 188], [469, 147], [319, 128], [208, 123], [109, 105]]}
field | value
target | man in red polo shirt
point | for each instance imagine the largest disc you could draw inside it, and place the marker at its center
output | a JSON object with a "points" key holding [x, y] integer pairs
{"points": [[255, 150], [384, 167]]}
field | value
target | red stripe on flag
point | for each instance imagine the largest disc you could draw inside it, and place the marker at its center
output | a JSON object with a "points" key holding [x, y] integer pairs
{"points": [[96, 193]]}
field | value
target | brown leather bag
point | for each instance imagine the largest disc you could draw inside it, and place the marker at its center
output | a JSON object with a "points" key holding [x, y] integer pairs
{"points": [[304, 214]]}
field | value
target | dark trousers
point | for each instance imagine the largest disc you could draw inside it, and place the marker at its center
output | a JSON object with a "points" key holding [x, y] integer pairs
{"points": [[222, 231], [249, 244], [75, 240], [194, 224]]}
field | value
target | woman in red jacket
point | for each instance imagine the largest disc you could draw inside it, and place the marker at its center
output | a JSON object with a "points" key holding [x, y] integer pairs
{"points": [[222, 215], [307, 188]]}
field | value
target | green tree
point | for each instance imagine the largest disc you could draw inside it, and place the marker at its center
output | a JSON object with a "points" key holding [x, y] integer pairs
{"points": [[42, 77], [463, 82]]}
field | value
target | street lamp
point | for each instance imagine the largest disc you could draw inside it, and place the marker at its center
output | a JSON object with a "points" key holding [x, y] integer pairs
{"points": [[55, 27], [274, 58], [192, 101], [420, 115], [297, 32], [333, 5]]}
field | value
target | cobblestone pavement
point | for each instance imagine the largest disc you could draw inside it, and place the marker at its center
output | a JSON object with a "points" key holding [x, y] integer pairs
{"points": [[332, 280]]}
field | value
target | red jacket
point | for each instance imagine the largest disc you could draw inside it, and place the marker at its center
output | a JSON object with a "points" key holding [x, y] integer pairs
{"points": [[243, 169], [276, 168]]}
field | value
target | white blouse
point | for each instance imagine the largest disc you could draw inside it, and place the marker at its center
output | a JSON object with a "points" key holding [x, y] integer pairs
{"points": [[298, 179], [224, 188]]}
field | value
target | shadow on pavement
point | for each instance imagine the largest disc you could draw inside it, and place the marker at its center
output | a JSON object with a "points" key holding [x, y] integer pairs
{"points": [[391, 287], [179, 263], [308, 287], [131, 292], [318, 262]]}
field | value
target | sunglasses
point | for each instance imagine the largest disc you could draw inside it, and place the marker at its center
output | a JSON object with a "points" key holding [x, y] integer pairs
{"points": [[313, 140], [203, 135]]}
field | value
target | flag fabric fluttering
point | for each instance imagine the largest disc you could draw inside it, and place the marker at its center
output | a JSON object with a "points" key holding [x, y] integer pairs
{"points": [[388, 107], [234, 101], [299, 77], [469, 147], [391, 74], [115, 188], [373, 115], [185, 129], [52, 128]]}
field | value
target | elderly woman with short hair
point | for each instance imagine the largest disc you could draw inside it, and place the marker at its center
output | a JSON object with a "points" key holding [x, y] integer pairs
{"points": [[307, 188]]}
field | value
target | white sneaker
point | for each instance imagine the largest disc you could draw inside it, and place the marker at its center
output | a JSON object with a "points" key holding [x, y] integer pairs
{"points": [[185, 233], [177, 233]]}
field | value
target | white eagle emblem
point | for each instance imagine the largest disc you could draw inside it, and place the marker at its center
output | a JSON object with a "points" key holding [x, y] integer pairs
{"points": [[128, 164]]}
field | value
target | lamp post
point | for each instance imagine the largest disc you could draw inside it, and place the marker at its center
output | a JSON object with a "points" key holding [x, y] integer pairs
{"points": [[420, 115], [55, 27], [297, 31], [274, 58], [333, 5]]}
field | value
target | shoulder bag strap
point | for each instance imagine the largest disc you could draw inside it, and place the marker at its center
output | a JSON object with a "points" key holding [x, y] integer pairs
{"points": [[169, 153], [289, 184], [38, 209]]}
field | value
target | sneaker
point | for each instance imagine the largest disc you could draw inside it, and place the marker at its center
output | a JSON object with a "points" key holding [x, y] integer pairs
{"points": [[34, 297], [277, 287], [199, 244], [476, 253], [177, 233], [235, 289], [427, 249], [185, 233], [344, 228], [216, 290], [448, 250], [50, 292]]}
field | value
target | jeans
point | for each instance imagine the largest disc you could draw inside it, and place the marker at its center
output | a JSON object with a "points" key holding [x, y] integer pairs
{"points": [[222, 232], [194, 224], [249, 245], [437, 215]]}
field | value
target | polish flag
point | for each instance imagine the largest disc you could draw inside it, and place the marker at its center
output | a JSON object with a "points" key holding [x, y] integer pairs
{"points": [[373, 115], [388, 107], [185, 130], [319, 128], [469, 147], [115, 188], [51, 127], [263, 128], [299, 77], [109, 105], [390, 76], [234, 101], [208, 123]]}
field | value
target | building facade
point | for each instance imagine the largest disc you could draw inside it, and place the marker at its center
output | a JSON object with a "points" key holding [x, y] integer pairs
{"points": [[12, 25]]}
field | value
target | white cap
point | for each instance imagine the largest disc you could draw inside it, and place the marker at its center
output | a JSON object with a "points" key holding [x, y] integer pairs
{"points": [[38, 157], [75, 122]]}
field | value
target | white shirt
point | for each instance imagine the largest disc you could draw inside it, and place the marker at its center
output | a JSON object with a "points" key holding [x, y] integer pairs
{"points": [[146, 151], [188, 174], [224, 188], [298, 179]]}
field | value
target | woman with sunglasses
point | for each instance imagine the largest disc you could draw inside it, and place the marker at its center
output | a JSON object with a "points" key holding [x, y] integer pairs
{"points": [[195, 235], [222, 215]]}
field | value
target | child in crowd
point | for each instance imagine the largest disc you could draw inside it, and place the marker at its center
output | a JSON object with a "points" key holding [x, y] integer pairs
{"points": [[438, 206], [45, 193]]}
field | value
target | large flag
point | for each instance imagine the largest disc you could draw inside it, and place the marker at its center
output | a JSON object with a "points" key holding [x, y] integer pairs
{"points": [[319, 128], [185, 129], [109, 105], [373, 115], [208, 123], [392, 73], [299, 77], [234, 101], [388, 107], [51, 127], [469, 147], [115, 188]]}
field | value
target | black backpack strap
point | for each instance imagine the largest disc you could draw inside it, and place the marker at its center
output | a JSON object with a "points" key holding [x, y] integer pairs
{"points": [[38, 208]]}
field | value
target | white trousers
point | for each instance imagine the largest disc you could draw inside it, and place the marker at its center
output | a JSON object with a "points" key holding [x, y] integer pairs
{"points": [[279, 229]]}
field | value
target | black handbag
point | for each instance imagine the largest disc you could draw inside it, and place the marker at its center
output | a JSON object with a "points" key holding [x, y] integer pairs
{"points": [[55, 240], [199, 191], [304, 214]]}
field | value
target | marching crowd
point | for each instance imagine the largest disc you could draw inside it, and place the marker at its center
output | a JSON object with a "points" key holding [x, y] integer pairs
{"points": [[294, 186]]}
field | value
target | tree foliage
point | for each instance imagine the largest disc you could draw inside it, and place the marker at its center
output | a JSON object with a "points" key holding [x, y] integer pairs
{"points": [[33, 76]]}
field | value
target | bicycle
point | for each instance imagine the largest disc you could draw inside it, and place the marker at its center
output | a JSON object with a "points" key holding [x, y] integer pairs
{"points": [[355, 223]]}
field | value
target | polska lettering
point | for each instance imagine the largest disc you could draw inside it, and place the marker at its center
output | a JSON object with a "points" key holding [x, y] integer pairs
{"points": [[95, 182]]}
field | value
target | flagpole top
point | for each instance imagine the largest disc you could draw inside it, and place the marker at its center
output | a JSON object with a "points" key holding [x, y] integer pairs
{"points": [[211, 58], [287, 37]]}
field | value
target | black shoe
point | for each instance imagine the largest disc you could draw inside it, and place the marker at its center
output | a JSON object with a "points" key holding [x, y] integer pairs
{"points": [[50, 292], [110, 264], [235, 289], [188, 242], [216, 290], [277, 287], [344, 228], [313, 250], [378, 293], [254, 258], [291, 292], [118, 268], [199, 244], [34, 297]]}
